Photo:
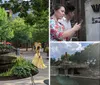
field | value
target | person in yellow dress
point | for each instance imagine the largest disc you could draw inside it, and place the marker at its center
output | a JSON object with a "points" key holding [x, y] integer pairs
{"points": [[37, 59]]}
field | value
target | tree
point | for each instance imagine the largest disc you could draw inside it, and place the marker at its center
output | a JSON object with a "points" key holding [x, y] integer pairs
{"points": [[89, 55], [17, 6], [0, 1], [52, 61], [23, 7], [65, 56], [41, 26], [40, 20], [5, 31], [35, 14], [22, 33]]}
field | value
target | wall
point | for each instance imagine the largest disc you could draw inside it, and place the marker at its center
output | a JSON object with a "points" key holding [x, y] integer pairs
{"points": [[92, 27]]}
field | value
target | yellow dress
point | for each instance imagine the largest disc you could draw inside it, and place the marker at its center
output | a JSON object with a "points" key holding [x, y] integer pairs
{"points": [[38, 61]]}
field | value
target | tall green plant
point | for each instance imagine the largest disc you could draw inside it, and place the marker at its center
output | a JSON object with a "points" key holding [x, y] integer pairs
{"points": [[5, 31]]}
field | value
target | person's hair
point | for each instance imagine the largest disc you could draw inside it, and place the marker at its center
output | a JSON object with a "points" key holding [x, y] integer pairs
{"points": [[56, 7], [38, 48], [69, 8]]}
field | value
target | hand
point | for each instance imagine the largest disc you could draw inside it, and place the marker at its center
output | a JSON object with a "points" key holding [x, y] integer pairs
{"points": [[76, 27]]}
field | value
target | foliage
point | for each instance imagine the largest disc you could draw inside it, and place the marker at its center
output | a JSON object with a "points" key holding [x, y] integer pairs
{"points": [[17, 6], [89, 55], [52, 61], [40, 19], [22, 68], [22, 32], [6, 48], [5, 30], [8, 73], [2, 46], [32, 25], [65, 56], [41, 28], [24, 6], [3, 16], [30, 19], [0, 1]]}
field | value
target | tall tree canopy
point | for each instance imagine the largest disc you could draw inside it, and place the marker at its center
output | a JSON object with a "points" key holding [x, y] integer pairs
{"points": [[35, 16]]}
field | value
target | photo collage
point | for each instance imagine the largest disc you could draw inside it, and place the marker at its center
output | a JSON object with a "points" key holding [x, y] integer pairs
{"points": [[49, 42]]}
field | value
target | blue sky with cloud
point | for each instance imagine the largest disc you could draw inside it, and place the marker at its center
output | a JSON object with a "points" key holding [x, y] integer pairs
{"points": [[57, 49]]}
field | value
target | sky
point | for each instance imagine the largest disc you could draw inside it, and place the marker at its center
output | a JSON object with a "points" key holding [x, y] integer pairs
{"points": [[8, 0], [4, 0], [58, 49]]}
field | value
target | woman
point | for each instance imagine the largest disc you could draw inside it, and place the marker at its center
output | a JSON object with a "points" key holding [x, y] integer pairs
{"points": [[57, 31], [37, 60], [69, 14]]}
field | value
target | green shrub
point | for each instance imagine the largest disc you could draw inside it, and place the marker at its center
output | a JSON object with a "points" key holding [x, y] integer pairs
{"points": [[22, 68], [6, 48], [21, 72], [8, 73]]}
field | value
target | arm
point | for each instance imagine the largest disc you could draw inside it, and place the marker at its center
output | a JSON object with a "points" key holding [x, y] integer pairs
{"points": [[71, 32], [64, 34]]}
